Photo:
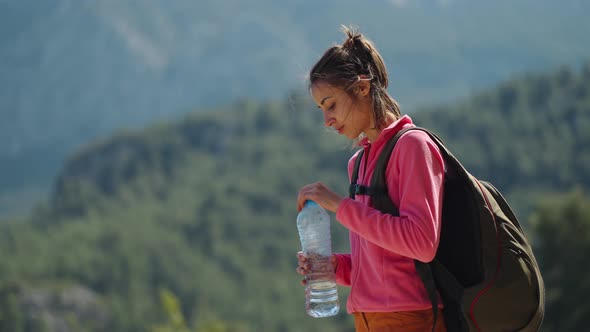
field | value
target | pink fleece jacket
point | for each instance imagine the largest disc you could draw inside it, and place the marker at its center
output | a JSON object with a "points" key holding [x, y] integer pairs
{"points": [[380, 268]]}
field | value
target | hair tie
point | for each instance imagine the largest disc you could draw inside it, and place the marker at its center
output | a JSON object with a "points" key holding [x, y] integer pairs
{"points": [[364, 78]]}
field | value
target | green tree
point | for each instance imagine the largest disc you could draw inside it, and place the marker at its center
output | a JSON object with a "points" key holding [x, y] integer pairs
{"points": [[11, 317], [562, 225]]}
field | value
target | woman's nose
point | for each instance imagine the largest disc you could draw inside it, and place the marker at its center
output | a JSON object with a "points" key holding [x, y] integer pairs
{"points": [[328, 120]]}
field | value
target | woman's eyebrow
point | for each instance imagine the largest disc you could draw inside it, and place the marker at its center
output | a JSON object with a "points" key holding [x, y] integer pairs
{"points": [[323, 100]]}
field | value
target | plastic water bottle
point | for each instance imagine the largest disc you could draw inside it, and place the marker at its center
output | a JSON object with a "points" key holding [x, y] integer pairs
{"points": [[321, 293]]}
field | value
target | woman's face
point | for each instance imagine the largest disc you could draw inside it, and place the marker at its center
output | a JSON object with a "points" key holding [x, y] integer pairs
{"points": [[349, 116]]}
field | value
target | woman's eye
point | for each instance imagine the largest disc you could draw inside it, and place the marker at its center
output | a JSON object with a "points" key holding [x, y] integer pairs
{"points": [[331, 107]]}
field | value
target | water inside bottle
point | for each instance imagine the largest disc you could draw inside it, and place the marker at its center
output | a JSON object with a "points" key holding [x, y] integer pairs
{"points": [[322, 292], [322, 299]]}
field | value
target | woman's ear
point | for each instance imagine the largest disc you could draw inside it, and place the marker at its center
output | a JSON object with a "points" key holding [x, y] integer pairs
{"points": [[363, 88]]}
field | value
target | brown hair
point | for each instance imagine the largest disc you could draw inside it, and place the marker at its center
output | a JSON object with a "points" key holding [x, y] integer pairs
{"points": [[343, 65]]}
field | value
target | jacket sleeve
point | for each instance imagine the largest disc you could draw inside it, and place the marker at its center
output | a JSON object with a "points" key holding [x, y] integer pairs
{"points": [[414, 176], [343, 269]]}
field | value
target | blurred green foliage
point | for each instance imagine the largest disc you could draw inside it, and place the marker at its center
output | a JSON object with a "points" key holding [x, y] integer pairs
{"points": [[190, 225], [562, 224]]}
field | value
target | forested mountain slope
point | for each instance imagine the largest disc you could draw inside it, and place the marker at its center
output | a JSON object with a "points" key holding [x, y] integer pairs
{"points": [[204, 207]]}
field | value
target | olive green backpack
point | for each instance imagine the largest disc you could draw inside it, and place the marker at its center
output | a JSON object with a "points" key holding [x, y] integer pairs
{"points": [[484, 270]]}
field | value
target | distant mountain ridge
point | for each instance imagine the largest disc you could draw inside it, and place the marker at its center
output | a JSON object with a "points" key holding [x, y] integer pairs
{"points": [[73, 71]]}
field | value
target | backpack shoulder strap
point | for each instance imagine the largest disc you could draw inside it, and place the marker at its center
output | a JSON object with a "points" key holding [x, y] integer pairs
{"points": [[353, 189], [378, 188]]}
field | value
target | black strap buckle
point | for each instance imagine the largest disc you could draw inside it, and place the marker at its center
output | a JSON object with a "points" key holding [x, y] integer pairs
{"points": [[358, 189]]}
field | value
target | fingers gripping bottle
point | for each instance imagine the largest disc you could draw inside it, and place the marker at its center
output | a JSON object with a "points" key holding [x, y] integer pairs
{"points": [[321, 293]]}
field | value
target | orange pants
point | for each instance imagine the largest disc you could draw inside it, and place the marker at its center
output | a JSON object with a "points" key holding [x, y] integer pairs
{"points": [[406, 321]]}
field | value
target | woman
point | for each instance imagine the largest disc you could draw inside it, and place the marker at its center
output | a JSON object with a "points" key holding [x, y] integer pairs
{"points": [[349, 85]]}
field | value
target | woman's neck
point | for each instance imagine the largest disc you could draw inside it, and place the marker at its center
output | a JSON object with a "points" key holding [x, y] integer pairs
{"points": [[374, 132]]}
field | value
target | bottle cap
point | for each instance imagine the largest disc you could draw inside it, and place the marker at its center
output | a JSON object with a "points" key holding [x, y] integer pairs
{"points": [[309, 202]]}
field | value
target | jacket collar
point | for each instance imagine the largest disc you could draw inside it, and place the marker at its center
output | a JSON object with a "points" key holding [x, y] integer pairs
{"points": [[389, 131]]}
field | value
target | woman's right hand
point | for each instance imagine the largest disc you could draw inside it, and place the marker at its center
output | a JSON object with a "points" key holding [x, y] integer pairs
{"points": [[303, 265]]}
